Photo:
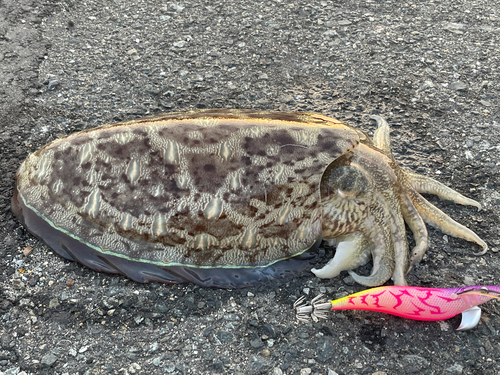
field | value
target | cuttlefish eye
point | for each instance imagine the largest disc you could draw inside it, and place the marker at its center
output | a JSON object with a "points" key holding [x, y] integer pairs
{"points": [[348, 182]]}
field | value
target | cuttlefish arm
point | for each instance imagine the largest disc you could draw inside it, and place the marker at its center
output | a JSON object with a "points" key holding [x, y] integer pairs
{"points": [[409, 302]]}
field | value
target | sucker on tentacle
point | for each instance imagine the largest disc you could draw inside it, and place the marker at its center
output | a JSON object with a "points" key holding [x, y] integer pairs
{"points": [[409, 302]]}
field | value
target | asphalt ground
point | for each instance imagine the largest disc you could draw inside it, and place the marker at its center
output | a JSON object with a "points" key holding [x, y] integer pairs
{"points": [[429, 67]]}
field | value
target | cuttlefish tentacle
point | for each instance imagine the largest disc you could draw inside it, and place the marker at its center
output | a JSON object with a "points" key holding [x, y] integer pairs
{"points": [[367, 194], [382, 140], [391, 190], [380, 235], [381, 136], [414, 221], [416, 184], [400, 245], [438, 219], [427, 185], [353, 251]]}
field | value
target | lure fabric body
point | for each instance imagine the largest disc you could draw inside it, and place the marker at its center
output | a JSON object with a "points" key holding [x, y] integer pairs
{"points": [[416, 302], [409, 302]]}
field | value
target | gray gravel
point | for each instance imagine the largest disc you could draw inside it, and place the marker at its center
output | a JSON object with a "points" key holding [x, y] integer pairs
{"points": [[429, 67]]}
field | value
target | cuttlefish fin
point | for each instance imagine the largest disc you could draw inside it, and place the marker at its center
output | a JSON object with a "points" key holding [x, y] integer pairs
{"points": [[470, 318]]}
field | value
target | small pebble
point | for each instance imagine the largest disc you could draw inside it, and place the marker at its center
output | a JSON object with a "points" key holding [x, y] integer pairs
{"points": [[180, 44], [456, 369], [134, 368], [170, 367], [49, 359], [256, 343], [27, 250], [52, 84], [225, 337], [12, 371], [17, 284], [458, 86], [156, 361], [53, 303]]}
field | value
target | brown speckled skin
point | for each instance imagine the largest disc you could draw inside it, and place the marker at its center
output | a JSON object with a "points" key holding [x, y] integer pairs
{"points": [[207, 189], [214, 189]]}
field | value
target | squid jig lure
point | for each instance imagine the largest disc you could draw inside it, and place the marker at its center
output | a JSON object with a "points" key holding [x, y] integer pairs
{"points": [[409, 302]]}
